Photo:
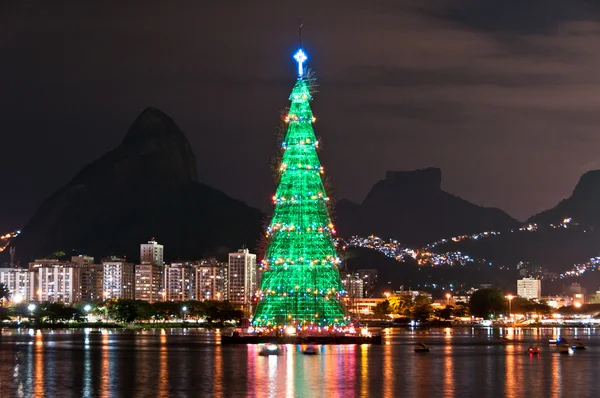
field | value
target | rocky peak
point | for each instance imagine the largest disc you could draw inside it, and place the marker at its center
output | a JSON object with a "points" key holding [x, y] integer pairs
{"points": [[147, 186], [582, 205], [427, 179]]}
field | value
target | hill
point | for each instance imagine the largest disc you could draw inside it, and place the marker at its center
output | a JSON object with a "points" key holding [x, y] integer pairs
{"points": [[146, 187], [412, 207]]}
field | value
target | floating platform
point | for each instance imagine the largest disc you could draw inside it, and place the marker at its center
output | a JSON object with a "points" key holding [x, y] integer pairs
{"points": [[255, 339]]}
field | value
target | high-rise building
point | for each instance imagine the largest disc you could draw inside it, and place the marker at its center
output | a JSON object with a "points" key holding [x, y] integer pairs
{"points": [[577, 293], [210, 280], [178, 282], [118, 279], [369, 277], [529, 288], [56, 281], [92, 279], [152, 253], [19, 282], [241, 275], [148, 282], [353, 284]]}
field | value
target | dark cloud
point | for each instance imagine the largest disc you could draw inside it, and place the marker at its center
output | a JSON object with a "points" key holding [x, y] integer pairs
{"points": [[519, 16]]}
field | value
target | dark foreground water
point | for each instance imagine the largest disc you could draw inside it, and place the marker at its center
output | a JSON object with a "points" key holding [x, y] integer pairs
{"points": [[181, 363]]}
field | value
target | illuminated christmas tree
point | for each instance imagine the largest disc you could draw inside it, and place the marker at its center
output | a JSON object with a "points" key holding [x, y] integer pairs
{"points": [[301, 282]]}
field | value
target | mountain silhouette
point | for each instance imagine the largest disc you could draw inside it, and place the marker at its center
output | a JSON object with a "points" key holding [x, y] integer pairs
{"points": [[411, 206], [583, 206], [146, 187]]}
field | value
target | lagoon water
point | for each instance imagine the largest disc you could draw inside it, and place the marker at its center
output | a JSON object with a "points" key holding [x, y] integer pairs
{"points": [[463, 362]]}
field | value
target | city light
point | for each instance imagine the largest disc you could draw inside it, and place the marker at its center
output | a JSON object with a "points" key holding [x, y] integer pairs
{"points": [[87, 308], [510, 297], [31, 307], [290, 330]]}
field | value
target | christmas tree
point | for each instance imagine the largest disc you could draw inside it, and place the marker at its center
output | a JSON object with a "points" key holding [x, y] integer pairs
{"points": [[301, 283]]}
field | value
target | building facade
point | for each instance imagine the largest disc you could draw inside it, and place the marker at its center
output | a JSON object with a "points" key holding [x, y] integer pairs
{"points": [[148, 282], [58, 283], [353, 284], [152, 253], [210, 284], [19, 282], [369, 278], [529, 288], [178, 282], [241, 281], [118, 279], [91, 277]]}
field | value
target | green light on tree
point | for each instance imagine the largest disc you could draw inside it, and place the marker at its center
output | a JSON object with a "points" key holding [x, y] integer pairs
{"points": [[301, 283]]}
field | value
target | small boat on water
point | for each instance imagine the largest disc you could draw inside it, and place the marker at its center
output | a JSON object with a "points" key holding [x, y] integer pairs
{"points": [[310, 350], [533, 350], [565, 349], [559, 340], [270, 349], [421, 347], [578, 345]]}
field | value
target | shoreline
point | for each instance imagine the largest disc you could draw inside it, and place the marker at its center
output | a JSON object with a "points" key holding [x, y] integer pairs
{"points": [[114, 325], [190, 325]]}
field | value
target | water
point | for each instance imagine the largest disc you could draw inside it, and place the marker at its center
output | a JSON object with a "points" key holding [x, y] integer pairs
{"points": [[181, 363]]}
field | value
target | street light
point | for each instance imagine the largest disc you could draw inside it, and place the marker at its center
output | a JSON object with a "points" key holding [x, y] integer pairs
{"points": [[31, 308], [510, 297], [87, 308], [386, 294], [184, 309]]}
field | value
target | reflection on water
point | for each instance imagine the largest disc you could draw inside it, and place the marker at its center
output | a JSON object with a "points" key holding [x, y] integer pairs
{"points": [[163, 366], [462, 362]]}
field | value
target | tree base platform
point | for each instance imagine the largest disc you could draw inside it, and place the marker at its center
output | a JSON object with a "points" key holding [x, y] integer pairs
{"points": [[255, 339]]}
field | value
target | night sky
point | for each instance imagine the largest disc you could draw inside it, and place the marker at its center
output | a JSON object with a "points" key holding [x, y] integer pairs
{"points": [[502, 95]]}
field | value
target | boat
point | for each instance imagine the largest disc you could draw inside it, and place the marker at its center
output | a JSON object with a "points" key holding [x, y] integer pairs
{"points": [[578, 345], [421, 348], [310, 350], [558, 340], [565, 349], [270, 349], [95, 332], [533, 350]]}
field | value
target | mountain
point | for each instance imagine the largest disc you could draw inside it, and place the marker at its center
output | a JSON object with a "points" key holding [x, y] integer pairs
{"points": [[411, 206], [583, 205], [146, 187]]}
